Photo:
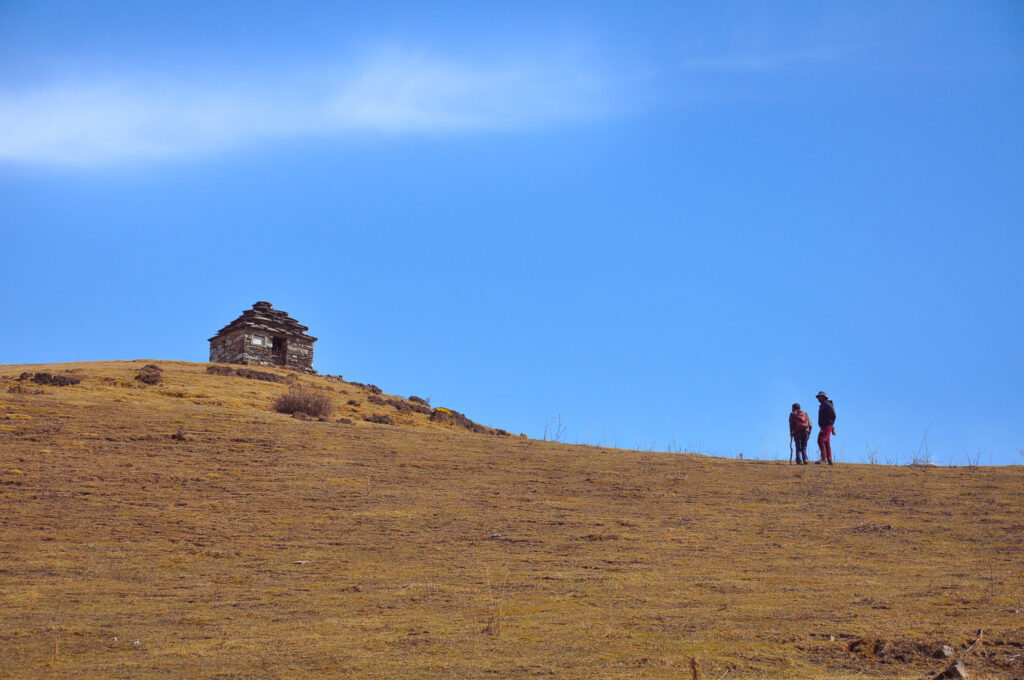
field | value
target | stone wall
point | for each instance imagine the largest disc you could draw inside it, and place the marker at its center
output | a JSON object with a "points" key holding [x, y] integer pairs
{"points": [[300, 355], [237, 347], [229, 348]]}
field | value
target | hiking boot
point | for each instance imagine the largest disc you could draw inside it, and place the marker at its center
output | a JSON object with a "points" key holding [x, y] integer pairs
{"points": [[830, 462]]}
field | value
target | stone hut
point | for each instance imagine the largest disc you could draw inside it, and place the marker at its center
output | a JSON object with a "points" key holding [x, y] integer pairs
{"points": [[264, 336]]}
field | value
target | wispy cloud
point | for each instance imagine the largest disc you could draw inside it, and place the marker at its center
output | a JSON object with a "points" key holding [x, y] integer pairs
{"points": [[152, 117]]}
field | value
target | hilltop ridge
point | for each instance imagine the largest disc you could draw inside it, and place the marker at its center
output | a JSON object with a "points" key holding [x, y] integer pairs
{"points": [[239, 387], [186, 529]]}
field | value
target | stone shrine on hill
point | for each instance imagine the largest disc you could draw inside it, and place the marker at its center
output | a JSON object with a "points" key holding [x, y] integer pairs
{"points": [[264, 336]]}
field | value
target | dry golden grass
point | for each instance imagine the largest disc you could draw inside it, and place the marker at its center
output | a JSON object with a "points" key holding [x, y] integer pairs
{"points": [[186, 530]]}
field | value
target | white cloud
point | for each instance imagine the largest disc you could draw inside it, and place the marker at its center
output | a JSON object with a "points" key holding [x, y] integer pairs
{"points": [[159, 117]]}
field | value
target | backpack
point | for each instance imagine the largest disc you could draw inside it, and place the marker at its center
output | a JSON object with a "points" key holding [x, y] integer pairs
{"points": [[800, 421]]}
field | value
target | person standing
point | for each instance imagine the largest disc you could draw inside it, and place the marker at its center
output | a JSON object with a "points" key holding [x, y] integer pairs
{"points": [[826, 425], [800, 432]]}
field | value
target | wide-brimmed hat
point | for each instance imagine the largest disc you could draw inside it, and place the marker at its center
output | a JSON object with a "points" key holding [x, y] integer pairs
{"points": [[819, 395]]}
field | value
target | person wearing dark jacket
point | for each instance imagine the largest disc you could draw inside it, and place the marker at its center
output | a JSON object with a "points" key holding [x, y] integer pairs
{"points": [[799, 432], [826, 425]]}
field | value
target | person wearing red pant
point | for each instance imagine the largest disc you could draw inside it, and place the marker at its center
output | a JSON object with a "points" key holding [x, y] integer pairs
{"points": [[826, 426]]}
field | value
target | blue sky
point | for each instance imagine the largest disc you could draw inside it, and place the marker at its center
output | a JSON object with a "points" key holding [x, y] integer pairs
{"points": [[662, 222]]}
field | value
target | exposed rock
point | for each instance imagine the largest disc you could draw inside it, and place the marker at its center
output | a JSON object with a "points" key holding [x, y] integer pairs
{"points": [[944, 652], [380, 419], [954, 671]]}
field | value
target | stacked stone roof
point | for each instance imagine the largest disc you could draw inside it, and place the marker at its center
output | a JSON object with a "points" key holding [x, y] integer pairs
{"points": [[264, 317]]}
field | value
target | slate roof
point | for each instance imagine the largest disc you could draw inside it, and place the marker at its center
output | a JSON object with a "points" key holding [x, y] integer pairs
{"points": [[264, 317]]}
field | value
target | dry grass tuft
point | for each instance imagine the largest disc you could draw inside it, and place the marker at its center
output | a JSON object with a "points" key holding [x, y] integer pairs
{"points": [[303, 400]]}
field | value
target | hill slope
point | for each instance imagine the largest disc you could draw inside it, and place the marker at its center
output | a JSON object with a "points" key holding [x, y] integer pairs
{"points": [[185, 529]]}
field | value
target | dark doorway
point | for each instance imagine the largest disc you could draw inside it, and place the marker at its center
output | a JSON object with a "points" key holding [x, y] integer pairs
{"points": [[280, 351]]}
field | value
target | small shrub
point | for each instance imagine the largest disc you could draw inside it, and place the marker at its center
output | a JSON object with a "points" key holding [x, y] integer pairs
{"points": [[352, 402], [400, 405], [50, 379], [419, 400], [217, 369], [259, 375], [150, 374], [380, 419], [301, 400], [372, 388], [445, 415], [374, 399], [345, 421]]}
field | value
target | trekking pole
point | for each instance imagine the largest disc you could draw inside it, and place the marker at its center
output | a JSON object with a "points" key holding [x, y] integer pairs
{"points": [[790, 449]]}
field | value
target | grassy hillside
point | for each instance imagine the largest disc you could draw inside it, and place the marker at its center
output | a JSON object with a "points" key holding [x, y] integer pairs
{"points": [[185, 529]]}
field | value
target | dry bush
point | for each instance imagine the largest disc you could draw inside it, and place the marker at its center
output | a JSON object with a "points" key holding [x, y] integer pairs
{"points": [[415, 407], [302, 400], [380, 419], [216, 369], [447, 415], [50, 379], [259, 375], [150, 374], [399, 404]]}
